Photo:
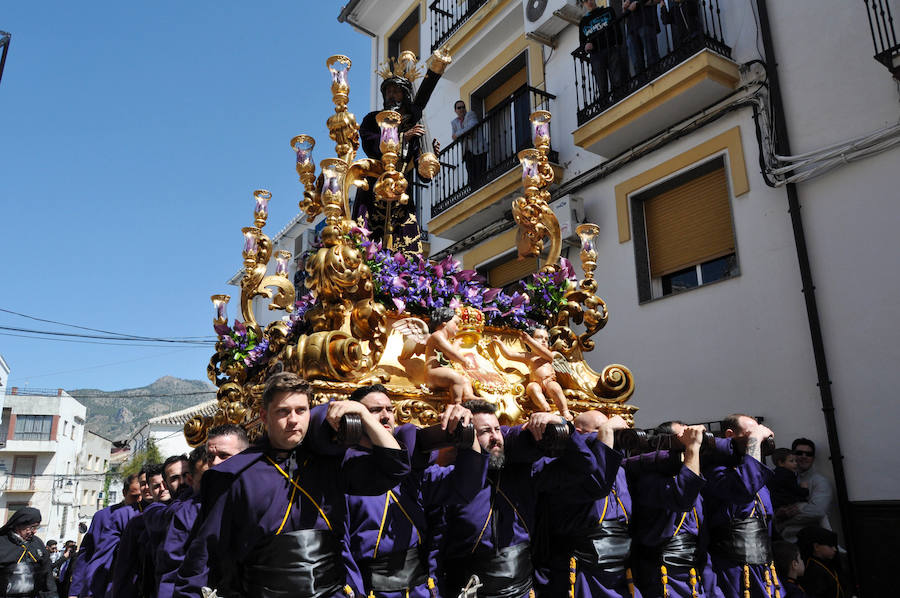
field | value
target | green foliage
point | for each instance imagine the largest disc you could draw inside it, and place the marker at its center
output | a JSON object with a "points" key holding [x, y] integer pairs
{"points": [[150, 454]]}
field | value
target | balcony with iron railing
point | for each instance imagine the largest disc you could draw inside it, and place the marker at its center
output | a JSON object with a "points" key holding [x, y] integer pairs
{"points": [[447, 16], [480, 166], [881, 25], [644, 59], [16, 482]]}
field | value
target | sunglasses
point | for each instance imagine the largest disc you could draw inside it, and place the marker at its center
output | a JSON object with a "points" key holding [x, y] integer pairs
{"points": [[804, 453]]}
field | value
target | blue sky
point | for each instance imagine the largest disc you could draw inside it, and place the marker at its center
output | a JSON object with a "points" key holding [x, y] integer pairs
{"points": [[132, 136]]}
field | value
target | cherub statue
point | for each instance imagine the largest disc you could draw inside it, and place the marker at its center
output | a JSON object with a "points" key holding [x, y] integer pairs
{"points": [[542, 375], [441, 352]]}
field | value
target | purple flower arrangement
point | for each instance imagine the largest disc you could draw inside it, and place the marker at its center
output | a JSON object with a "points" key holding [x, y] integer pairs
{"points": [[416, 286]]}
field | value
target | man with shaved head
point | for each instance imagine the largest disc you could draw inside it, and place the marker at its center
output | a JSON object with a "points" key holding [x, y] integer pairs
{"points": [[739, 512], [491, 536], [590, 523]]}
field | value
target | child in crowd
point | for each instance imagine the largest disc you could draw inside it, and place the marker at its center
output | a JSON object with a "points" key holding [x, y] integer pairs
{"points": [[822, 575], [789, 566], [784, 488]]}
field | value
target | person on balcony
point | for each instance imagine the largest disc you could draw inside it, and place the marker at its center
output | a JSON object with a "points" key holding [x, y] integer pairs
{"points": [[473, 146], [600, 36], [642, 24], [685, 18]]}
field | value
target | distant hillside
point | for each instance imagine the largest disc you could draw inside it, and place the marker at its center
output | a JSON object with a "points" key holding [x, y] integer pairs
{"points": [[116, 414]]}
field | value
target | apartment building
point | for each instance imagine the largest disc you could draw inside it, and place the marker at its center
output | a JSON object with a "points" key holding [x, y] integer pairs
{"points": [[741, 168], [39, 466]]}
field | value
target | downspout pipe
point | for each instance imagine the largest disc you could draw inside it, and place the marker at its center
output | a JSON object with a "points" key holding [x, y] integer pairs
{"points": [[782, 147]]}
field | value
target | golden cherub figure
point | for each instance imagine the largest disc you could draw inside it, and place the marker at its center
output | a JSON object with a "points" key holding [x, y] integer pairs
{"points": [[542, 376]]}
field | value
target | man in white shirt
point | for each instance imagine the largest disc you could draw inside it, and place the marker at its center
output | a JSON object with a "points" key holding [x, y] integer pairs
{"points": [[473, 147], [814, 511]]}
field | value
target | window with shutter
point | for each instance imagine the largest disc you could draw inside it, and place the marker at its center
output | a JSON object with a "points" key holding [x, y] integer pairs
{"points": [[684, 234]]}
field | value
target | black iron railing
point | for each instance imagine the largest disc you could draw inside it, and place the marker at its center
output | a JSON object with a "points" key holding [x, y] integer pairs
{"points": [[881, 24], [447, 16], [487, 150], [641, 45]]}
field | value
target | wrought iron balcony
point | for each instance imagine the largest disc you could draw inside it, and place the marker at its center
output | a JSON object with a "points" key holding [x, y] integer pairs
{"points": [[19, 483], [447, 16], [627, 63], [881, 25], [489, 149]]}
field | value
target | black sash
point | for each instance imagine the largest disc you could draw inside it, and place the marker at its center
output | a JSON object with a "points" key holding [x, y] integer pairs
{"points": [[743, 541], [301, 563], [680, 552], [394, 571], [505, 574], [605, 547]]}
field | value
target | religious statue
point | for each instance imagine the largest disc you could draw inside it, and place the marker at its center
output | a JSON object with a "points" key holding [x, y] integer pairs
{"points": [[403, 231]]}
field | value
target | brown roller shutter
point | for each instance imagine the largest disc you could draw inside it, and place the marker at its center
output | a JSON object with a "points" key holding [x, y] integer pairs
{"points": [[689, 224], [511, 271], [410, 41]]}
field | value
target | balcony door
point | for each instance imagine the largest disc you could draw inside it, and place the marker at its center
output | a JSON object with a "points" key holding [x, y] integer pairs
{"points": [[23, 472], [506, 113]]}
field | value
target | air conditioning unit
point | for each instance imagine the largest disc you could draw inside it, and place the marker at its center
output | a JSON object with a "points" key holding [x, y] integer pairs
{"points": [[569, 212], [545, 19]]}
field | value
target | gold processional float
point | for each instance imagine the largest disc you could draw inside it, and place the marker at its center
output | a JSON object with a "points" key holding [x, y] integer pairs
{"points": [[363, 319]]}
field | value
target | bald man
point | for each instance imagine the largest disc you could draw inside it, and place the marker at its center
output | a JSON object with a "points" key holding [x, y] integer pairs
{"points": [[589, 525]]}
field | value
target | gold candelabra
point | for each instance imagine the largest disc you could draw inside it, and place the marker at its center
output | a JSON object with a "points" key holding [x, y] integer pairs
{"points": [[342, 339]]}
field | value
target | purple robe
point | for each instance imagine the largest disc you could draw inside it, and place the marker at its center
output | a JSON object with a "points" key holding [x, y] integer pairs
{"points": [[129, 576], [396, 522], [180, 518], [736, 492], [667, 505], [92, 570], [572, 512], [245, 503], [502, 514]]}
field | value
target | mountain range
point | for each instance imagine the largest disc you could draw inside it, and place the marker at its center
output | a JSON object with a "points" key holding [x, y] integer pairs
{"points": [[116, 414]]}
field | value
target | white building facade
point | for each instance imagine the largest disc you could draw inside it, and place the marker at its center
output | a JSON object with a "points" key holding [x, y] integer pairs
{"points": [[39, 466], [167, 430], [93, 466], [721, 299]]}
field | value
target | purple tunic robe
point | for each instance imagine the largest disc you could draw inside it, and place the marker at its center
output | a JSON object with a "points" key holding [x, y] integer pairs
{"points": [[180, 518], [246, 498], [397, 522], [92, 569], [667, 505], [478, 529], [572, 512], [131, 556], [736, 493]]}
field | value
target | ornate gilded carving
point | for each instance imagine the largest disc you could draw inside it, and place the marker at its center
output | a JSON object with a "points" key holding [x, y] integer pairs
{"points": [[343, 337]]}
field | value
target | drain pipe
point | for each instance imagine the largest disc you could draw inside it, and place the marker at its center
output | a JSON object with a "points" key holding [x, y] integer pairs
{"points": [[782, 147]]}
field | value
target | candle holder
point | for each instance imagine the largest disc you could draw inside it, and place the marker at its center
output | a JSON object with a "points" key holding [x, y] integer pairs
{"points": [[391, 185], [261, 211], [339, 67], [531, 176], [221, 304], [332, 198], [251, 246], [540, 130], [586, 232], [282, 258]]}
